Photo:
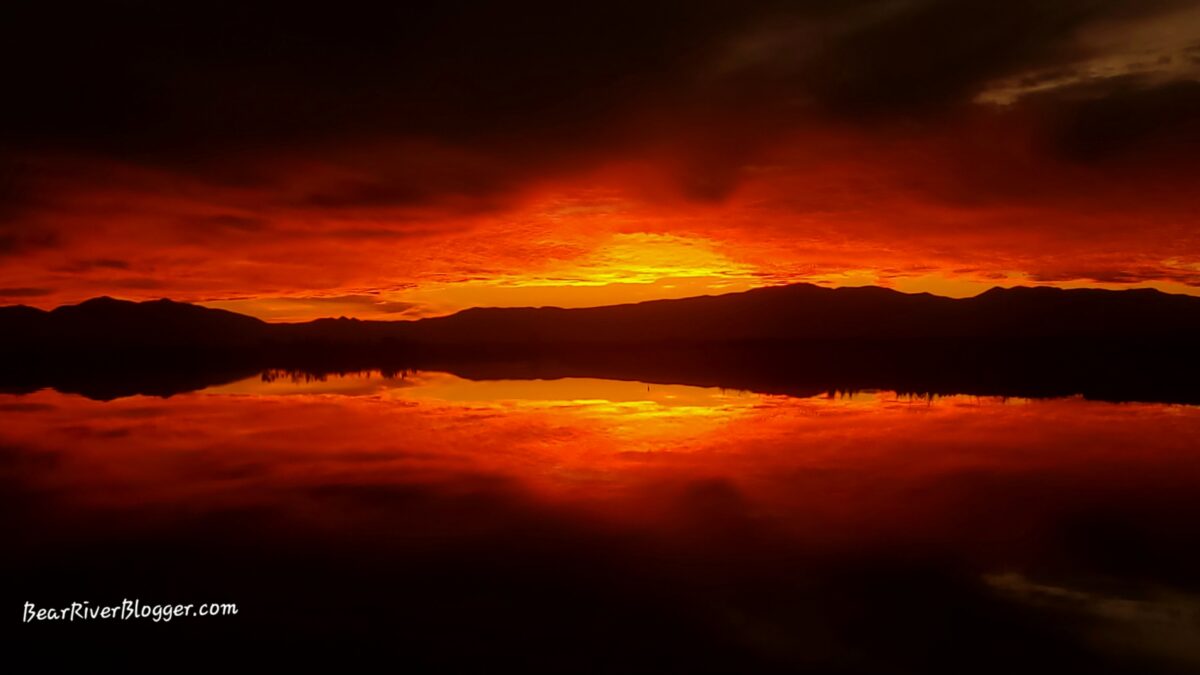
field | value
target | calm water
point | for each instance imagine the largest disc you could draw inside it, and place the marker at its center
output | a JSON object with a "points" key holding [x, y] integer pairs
{"points": [[583, 524]]}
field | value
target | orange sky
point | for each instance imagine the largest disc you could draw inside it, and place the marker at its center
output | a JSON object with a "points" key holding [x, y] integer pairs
{"points": [[870, 465], [742, 165]]}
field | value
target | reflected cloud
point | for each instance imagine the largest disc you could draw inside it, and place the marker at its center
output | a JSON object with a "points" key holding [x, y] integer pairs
{"points": [[1159, 622], [812, 532]]}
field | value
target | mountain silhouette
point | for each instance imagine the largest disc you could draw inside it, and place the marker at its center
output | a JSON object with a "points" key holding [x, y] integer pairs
{"points": [[781, 313], [1117, 345], [806, 312], [106, 323]]}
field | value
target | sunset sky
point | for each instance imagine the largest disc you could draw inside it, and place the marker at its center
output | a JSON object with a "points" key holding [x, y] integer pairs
{"points": [[381, 160]]}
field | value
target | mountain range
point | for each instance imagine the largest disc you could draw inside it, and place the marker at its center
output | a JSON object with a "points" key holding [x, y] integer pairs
{"points": [[799, 312], [798, 340]]}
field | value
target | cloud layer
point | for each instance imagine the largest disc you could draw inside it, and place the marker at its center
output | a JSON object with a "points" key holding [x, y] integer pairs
{"points": [[436, 157]]}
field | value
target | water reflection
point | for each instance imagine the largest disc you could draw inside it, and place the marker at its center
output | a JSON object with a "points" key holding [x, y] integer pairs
{"points": [[575, 524]]}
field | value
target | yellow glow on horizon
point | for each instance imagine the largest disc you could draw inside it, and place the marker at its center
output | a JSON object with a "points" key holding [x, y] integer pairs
{"points": [[635, 267], [626, 408]]}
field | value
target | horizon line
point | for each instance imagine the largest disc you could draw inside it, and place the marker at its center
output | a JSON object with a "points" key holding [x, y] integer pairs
{"points": [[865, 287]]}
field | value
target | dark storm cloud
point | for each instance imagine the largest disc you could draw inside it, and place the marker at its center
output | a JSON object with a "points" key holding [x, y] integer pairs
{"points": [[1113, 120], [370, 301], [15, 239], [85, 265], [146, 78], [1118, 276], [24, 292], [217, 90], [892, 58]]}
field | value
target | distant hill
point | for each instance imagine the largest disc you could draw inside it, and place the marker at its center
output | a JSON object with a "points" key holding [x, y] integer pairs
{"points": [[777, 314], [108, 324], [799, 339], [808, 312]]}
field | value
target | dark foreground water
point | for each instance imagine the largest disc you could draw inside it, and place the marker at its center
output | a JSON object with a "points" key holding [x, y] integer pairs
{"points": [[431, 523]]}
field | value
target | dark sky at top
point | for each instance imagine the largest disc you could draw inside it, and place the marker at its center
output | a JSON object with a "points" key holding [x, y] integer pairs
{"points": [[204, 128]]}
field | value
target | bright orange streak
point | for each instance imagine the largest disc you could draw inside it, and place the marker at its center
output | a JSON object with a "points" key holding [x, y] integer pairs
{"points": [[951, 213]]}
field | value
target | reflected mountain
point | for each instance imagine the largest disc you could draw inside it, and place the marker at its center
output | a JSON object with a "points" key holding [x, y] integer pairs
{"points": [[799, 339]]}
